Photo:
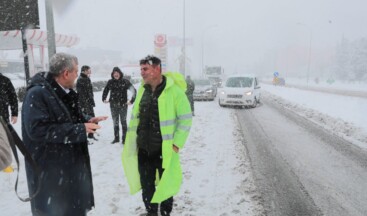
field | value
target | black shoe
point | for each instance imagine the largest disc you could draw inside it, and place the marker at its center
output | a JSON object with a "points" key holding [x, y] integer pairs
{"points": [[115, 141]]}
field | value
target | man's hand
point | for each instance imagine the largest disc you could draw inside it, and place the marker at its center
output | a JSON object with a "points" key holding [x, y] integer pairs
{"points": [[91, 127], [128, 103], [97, 119], [175, 148], [14, 119]]}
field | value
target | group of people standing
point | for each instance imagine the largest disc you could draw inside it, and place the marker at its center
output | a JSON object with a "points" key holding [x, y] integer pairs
{"points": [[117, 88], [57, 122]]}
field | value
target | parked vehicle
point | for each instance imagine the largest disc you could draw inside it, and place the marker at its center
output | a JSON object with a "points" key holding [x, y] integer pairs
{"points": [[240, 90], [216, 81], [204, 90], [279, 81]]}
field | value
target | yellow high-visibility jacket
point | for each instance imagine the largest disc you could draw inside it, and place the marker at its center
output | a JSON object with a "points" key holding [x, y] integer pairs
{"points": [[175, 122]]}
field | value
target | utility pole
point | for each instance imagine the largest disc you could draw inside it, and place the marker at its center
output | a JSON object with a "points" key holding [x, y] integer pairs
{"points": [[50, 29], [202, 47], [309, 50], [23, 31]]}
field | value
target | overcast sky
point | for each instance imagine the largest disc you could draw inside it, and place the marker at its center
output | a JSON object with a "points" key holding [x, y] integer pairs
{"points": [[232, 33]]}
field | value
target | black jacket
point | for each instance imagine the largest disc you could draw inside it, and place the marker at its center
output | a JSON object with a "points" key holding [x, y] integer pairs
{"points": [[118, 91], [149, 133], [190, 87], [8, 97], [85, 90], [54, 133]]}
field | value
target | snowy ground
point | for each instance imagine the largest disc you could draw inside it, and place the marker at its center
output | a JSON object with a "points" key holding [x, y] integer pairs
{"points": [[216, 177], [217, 180], [344, 116]]}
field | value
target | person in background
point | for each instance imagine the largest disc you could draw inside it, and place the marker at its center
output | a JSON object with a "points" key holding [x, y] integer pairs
{"points": [[190, 92], [117, 86], [158, 129], [8, 98], [85, 90], [55, 133]]}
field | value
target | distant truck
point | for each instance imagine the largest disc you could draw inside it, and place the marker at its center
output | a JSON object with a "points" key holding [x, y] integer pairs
{"points": [[214, 74]]}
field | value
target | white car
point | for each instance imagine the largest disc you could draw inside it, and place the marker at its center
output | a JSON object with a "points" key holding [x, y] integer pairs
{"points": [[240, 90]]}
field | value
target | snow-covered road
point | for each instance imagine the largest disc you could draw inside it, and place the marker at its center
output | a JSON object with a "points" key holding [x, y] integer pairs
{"points": [[301, 168]]}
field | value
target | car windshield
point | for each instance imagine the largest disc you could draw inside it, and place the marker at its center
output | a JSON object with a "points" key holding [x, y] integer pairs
{"points": [[239, 82], [202, 82]]}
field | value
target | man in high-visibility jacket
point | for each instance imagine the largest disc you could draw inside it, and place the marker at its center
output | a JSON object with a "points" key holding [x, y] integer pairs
{"points": [[158, 129]]}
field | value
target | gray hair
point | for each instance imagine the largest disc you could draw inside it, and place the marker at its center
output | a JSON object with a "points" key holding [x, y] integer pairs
{"points": [[61, 61]]}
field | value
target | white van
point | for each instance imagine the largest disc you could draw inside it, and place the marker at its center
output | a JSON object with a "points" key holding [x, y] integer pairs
{"points": [[240, 90]]}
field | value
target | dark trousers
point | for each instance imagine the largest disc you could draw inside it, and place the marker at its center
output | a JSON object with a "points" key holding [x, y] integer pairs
{"points": [[148, 165], [119, 114], [191, 100]]}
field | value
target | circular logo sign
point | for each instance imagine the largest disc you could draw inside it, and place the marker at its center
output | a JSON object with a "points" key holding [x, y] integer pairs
{"points": [[160, 40]]}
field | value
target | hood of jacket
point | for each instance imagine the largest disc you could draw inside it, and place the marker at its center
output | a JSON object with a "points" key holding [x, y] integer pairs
{"points": [[175, 78], [40, 79], [121, 75]]}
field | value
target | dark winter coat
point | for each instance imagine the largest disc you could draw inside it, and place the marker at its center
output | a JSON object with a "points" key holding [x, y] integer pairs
{"points": [[85, 90], [118, 91], [190, 87], [8, 97], [149, 132], [54, 133]]}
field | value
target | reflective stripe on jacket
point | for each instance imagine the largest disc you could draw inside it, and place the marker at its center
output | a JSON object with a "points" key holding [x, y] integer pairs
{"points": [[175, 123]]}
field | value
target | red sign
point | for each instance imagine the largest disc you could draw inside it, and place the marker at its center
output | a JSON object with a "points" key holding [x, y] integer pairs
{"points": [[160, 40]]}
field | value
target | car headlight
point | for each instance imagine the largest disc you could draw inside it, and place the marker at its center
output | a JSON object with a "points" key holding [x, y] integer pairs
{"points": [[209, 91], [222, 92], [248, 93]]}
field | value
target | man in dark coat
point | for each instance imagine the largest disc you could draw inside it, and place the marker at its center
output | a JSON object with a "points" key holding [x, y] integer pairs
{"points": [[190, 91], [8, 97], [55, 133], [85, 90], [118, 87]]}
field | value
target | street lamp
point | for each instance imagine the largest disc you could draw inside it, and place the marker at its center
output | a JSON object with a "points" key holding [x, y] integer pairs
{"points": [[309, 50], [202, 45]]}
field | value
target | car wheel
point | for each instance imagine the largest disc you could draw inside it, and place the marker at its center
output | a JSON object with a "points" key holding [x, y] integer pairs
{"points": [[221, 105], [254, 104]]}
